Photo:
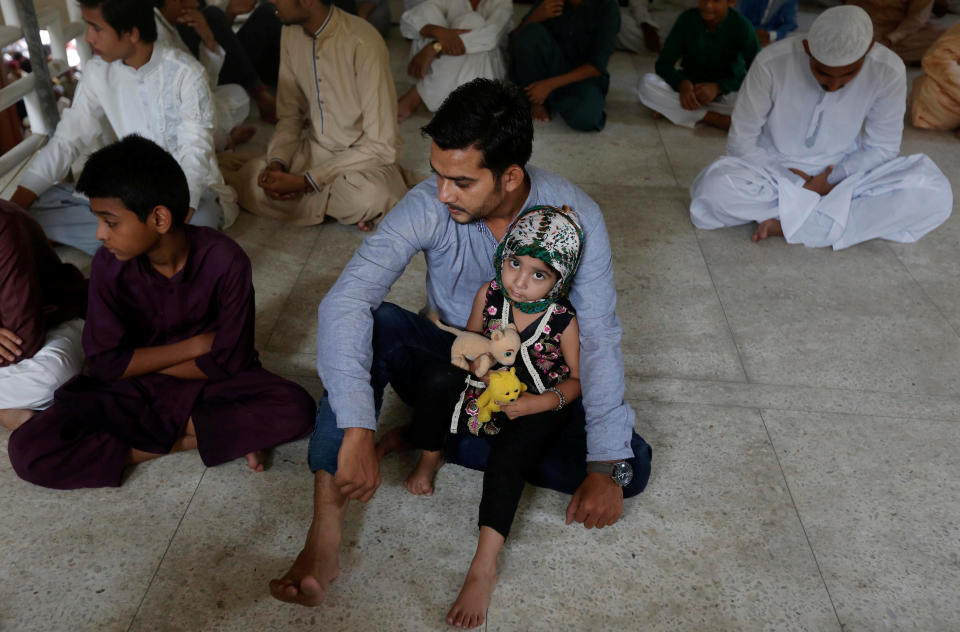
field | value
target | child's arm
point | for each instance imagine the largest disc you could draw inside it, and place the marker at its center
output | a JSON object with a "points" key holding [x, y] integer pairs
{"points": [[170, 359], [531, 403], [475, 324]]}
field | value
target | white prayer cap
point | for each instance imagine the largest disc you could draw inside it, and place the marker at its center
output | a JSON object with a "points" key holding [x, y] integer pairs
{"points": [[840, 35]]}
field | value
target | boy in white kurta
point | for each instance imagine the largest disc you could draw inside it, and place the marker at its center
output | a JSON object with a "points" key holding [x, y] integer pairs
{"points": [[454, 42], [131, 87], [812, 153], [335, 148]]}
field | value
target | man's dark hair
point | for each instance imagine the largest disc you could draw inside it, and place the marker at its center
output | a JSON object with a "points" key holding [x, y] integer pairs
{"points": [[141, 174], [124, 15], [489, 115]]}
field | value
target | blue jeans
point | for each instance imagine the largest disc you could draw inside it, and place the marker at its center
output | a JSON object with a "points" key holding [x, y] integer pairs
{"points": [[405, 347]]}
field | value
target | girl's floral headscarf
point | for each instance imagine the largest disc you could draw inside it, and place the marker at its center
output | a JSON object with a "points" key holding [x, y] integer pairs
{"points": [[550, 234]]}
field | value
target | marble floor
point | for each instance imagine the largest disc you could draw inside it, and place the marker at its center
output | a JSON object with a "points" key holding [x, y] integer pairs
{"points": [[802, 406]]}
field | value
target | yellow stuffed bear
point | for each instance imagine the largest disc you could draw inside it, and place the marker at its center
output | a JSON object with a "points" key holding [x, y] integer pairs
{"points": [[504, 387]]}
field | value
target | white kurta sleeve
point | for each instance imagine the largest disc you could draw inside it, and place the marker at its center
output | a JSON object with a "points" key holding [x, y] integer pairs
{"points": [[882, 130], [195, 150], [212, 61], [80, 126], [487, 37], [292, 106], [421, 15], [750, 115]]}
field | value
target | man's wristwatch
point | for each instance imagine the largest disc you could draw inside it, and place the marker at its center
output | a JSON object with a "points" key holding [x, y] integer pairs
{"points": [[620, 471], [437, 47]]}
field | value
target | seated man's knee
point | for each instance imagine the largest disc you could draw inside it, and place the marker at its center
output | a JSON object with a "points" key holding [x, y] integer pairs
{"points": [[585, 119], [23, 449]]}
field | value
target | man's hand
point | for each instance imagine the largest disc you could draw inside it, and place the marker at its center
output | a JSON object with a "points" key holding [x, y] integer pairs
{"points": [[358, 470], [10, 345], [598, 502], [706, 92], [688, 96], [195, 20], [546, 10], [538, 91], [23, 197], [450, 40], [763, 36], [818, 183], [280, 185], [420, 63]]}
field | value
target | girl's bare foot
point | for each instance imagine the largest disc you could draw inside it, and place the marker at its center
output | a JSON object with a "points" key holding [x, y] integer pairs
{"points": [[365, 226], [539, 112], [420, 480], [255, 461], [470, 608]]}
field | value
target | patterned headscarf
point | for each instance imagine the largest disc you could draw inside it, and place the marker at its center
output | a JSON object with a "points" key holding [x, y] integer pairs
{"points": [[550, 234]]}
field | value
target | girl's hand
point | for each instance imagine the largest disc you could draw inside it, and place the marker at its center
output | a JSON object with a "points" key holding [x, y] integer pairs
{"points": [[528, 404]]}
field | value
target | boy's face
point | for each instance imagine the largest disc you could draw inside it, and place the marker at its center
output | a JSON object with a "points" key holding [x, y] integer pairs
{"points": [[527, 279], [832, 78], [290, 12], [121, 231], [104, 40], [469, 190], [713, 11]]}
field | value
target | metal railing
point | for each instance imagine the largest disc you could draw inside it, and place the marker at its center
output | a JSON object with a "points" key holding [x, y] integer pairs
{"points": [[22, 21]]}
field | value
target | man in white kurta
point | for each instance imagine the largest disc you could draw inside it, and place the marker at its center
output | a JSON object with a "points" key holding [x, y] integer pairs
{"points": [[791, 136], [476, 29], [337, 138], [165, 99]]}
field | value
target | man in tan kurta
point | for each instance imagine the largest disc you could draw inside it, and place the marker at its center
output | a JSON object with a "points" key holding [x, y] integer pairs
{"points": [[335, 147], [902, 25], [935, 100]]}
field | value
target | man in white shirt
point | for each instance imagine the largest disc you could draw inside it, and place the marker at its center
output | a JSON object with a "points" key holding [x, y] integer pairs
{"points": [[131, 87], [812, 152], [454, 42]]}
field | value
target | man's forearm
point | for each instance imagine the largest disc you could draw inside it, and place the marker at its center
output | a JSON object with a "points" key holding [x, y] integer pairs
{"points": [[586, 71]]}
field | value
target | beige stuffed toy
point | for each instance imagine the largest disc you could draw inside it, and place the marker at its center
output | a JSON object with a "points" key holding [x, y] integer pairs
{"points": [[502, 346]]}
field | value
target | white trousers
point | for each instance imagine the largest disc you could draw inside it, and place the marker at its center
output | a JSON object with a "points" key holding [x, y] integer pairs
{"points": [[29, 384], [901, 200], [656, 94], [630, 35], [448, 72]]}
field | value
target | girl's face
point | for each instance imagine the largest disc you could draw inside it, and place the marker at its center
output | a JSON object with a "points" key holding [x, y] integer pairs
{"points": [[527, 279]]}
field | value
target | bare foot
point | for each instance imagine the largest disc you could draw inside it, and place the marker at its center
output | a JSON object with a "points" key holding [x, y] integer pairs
{"points": [[539, 112], [393, 441], [715, 119], [420, 480], [656, 115], [266, 103], [255, 460], [470, 608], [366, 226], [408, 104], [651, 37], [307, 580], [13, 418], [240, 134], [767, 228]]}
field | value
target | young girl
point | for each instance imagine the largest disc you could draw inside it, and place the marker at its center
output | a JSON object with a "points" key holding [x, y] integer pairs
{"points": [[535, 265]]}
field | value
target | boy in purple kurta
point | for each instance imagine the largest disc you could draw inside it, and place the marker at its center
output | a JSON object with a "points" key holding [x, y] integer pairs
{"points": [[168, 337]]}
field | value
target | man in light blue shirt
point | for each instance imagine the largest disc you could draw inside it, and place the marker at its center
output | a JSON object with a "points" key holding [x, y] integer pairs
{"points": [[482, 138], [773, 19]]}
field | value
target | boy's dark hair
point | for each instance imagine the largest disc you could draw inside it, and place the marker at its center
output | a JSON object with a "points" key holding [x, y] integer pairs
{"points": [[490, 115], [141, 174], [124, 15]]}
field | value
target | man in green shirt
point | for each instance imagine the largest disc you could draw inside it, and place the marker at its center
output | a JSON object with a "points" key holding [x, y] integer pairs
{"points": [[559, 55], [714, 45]]}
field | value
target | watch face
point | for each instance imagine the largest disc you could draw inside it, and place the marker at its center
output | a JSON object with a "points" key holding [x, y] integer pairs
{"points": [[622, 473]]}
